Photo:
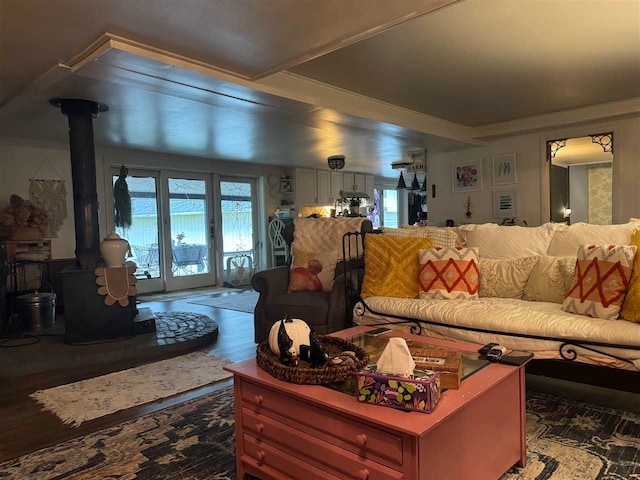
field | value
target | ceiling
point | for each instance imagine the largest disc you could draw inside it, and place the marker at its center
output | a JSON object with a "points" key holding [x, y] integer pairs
{"points": [[292, 82]]}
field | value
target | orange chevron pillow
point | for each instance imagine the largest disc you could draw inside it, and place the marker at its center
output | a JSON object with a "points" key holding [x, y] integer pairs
{"points": [[449, 273], [391, 266], [601, 280]]}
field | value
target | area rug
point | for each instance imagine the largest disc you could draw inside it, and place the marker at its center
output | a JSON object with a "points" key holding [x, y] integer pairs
{"points": [[180, 294], [195, 441], [242, 302], [88, 399]]}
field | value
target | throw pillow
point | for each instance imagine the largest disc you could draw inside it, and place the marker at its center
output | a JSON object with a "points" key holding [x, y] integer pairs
{"points": [[601, 280], [568, 238], [631, 306], [391, 266], [504, 278], [500, 242], [441, 237], [311, 272], [550, 279], [449, 273]]}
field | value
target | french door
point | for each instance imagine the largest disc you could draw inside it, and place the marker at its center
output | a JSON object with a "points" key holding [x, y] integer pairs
{"points": [[173, 236], [187, 230]]}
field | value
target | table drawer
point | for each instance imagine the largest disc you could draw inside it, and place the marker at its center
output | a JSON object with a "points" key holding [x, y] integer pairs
{"points": [[263, 456], [316, 451], [364, 437]]}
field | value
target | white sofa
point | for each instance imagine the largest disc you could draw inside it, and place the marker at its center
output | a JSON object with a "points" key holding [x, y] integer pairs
{"points": [[540, 326]]}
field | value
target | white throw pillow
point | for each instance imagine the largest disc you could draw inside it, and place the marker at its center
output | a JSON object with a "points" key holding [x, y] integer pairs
{"points": [[504, 278], [500, 242], [550, 279], [568, 238], [441, 237]]}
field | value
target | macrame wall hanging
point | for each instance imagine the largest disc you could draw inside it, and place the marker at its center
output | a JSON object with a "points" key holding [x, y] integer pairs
{"points": [[122, 200], [51, 196]]}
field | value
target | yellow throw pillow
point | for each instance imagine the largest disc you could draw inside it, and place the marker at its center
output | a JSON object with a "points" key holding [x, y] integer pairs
{"points": [[391, 266], [631, 306]]}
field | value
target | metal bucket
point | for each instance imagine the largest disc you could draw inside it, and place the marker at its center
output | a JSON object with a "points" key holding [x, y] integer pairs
{"points": [[37, 310]]}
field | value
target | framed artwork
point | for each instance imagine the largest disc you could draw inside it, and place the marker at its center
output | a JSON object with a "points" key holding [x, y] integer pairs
{"points": [[505, 204], [504, 169], [466, 176], [285, 185]]}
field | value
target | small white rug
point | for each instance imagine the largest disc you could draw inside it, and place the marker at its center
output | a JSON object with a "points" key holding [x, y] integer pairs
{"points": [[242, 302], [88, 399], [177, 295]]}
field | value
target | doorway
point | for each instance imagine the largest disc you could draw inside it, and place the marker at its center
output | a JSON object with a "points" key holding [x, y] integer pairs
{"points": [[581, 179]]}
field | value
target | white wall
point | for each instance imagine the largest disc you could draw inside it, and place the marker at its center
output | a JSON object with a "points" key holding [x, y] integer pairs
{"points": [[18, 164], [530, 151]]}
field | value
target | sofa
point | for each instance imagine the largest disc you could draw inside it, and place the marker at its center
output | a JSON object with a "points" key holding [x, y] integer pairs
{"points": [[525, 273]]}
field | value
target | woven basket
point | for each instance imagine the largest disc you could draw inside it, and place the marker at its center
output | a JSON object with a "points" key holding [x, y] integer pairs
{"points": [[303, 373]]}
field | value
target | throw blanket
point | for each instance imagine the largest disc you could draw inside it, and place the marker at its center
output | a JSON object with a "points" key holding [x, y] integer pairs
{"points": [[320, 235]]}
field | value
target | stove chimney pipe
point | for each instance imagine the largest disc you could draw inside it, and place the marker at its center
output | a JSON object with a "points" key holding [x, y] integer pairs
{"points": [[83, 172]]}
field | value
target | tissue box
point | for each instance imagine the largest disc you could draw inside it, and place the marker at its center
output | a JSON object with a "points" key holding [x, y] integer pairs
{"points": [[419, 392]]}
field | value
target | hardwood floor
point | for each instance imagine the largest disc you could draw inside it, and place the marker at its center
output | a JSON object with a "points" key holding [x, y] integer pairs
{"points": [[26, 428]]}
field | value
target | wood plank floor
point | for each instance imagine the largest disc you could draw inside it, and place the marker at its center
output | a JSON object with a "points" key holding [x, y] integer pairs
{"points": [[24, 427]]}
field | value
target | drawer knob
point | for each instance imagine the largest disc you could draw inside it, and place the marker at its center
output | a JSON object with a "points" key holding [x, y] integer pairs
{"points": [[363, 474], [361, 439], [259, 426], [258, 399], [261, 454]]}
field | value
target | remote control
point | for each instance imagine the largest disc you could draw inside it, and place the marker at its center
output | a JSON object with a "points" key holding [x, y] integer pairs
{"points": [[484, 350]]}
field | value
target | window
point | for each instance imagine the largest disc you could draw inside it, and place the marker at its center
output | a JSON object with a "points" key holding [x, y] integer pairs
{"points": [[390, 208]]}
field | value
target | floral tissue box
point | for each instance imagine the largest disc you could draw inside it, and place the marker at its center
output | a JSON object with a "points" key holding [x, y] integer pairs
{"points": [[419, 392]]}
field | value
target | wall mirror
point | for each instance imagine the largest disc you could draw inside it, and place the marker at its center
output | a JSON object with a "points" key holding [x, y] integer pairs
{"points": [[580, 179]]}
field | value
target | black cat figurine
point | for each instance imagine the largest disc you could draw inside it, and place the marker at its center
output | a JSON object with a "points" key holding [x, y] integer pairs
{"points": [[284, 344], [317, 354]]}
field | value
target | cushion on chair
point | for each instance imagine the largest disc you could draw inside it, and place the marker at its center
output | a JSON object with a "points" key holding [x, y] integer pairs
{"points": [[312, 272]]}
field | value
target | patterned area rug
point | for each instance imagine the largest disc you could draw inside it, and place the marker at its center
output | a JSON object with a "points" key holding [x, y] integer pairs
{"points": [[242, 302], [88, 399], [195, 441]]}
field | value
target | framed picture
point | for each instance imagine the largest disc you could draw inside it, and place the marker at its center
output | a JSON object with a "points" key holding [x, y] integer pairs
{"points": [[466, 176], [505, 204], [504, 169], [286, 186]]}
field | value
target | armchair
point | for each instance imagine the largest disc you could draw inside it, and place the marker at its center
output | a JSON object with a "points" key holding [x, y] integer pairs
{"points": [[325, 312]]}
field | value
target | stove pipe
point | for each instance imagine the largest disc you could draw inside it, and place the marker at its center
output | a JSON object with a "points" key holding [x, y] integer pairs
{"points": [[83, 172]]}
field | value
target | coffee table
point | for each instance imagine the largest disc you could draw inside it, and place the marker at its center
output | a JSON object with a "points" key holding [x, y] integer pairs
{"points": [[290, 431]]}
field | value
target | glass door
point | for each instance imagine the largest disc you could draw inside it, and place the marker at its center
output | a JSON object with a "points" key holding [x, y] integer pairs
{"points": [[239, 244], [144, 233], [188, 231]]}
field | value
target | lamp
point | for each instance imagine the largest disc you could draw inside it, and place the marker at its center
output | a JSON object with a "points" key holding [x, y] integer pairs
{"points": [[336, 162], [424, 185], [401, 185], [415, 185], [566, 212]]}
